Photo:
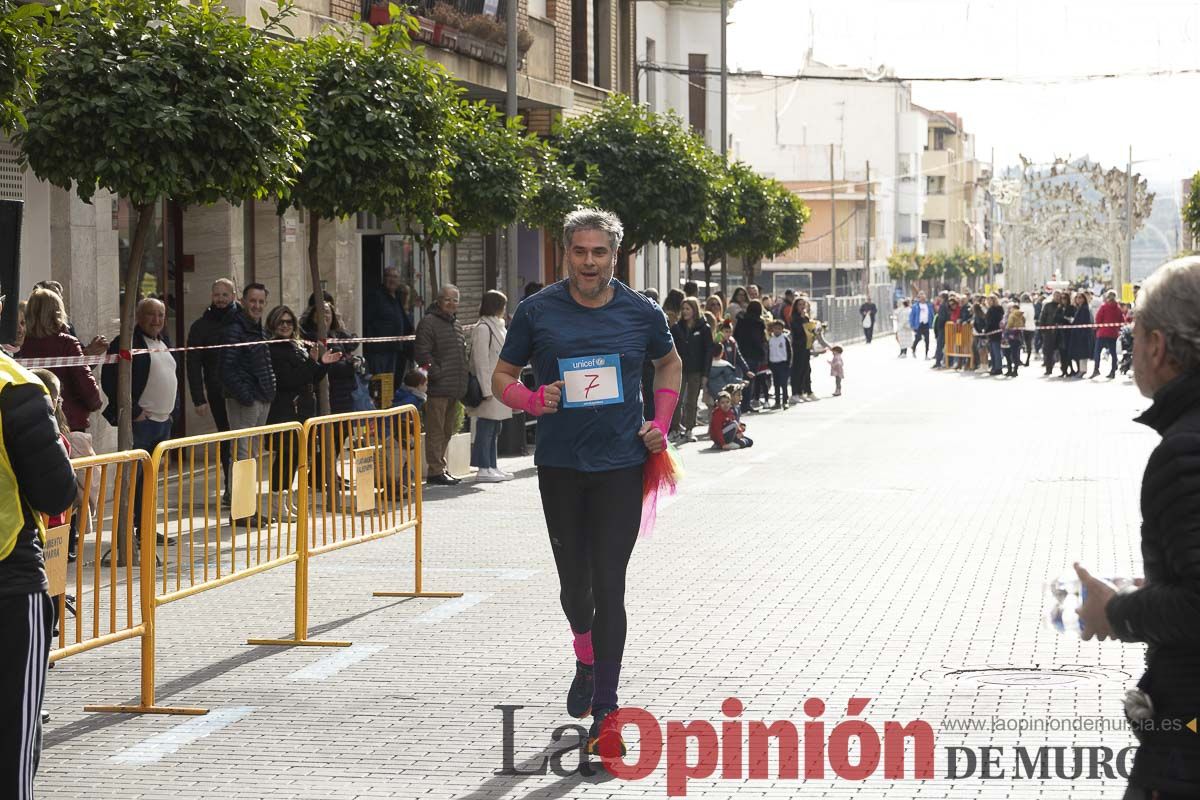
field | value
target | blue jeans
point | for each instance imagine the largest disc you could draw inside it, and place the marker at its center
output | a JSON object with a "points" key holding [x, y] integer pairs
{"points": [[995, 354], [1106, 345], [487, 438], [146, 436]]}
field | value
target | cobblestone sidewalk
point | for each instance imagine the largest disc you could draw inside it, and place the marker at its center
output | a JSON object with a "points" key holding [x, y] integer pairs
{"points": [[888, 544]]}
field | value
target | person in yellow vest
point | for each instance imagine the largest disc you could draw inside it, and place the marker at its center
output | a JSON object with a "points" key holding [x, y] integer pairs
{"points": [[35, 479]]}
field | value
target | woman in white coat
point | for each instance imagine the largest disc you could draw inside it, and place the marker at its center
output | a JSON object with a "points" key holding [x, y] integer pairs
{"points": [[904, 331], [487, 339]]}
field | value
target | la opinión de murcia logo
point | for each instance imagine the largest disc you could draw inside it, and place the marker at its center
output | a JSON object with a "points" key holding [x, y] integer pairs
{"points": [[852, 750]]}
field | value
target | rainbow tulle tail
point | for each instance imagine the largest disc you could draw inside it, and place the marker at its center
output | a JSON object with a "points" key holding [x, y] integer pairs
{"points": [[660, 477]]}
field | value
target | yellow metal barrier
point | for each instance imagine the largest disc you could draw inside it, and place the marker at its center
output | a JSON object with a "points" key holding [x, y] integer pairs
{"points": [[360, 480], [103, 598], [298, 491], [190, 543], [960, 337]]}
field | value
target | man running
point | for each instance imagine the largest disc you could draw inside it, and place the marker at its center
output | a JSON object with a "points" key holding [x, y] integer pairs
{"points": [[586, 338]]}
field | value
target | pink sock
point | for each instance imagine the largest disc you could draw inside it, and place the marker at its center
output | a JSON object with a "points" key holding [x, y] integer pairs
{"points": [[583, 647]]}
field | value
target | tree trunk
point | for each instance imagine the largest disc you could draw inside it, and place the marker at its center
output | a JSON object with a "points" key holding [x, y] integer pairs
{"points": [[708, 278], [623, 264], [725, 277], [314, 270], [133, 281], [434, 283], [689, 261]]}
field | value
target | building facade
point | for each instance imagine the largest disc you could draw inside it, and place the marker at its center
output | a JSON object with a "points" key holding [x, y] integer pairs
{"points": [[678, 46], [820, 133], [954, 207]]}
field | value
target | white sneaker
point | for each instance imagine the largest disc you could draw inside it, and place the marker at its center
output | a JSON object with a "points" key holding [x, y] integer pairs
{"points": [[797, 399], [507, 476], [488, 476]]}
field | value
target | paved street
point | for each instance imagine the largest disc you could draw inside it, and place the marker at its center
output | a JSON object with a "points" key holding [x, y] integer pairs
{"points": [[889, 544]]}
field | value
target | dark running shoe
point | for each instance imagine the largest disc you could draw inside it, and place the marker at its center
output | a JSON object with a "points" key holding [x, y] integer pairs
{"points": [[579, 697], [604, 740]]}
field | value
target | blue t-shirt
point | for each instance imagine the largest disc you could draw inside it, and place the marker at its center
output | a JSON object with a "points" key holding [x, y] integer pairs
{"points": [[550, 326]]}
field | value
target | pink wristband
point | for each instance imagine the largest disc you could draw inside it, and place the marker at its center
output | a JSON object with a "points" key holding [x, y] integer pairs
{"points": [[665, 401]]}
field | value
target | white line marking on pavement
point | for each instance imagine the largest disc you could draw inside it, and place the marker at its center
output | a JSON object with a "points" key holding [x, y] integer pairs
{"points": [[155, 747], [503, 573], [450, 608], [334, 663]]}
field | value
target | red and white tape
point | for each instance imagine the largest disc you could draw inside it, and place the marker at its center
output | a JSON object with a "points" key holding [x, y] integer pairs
{"points": [[112, 358]]}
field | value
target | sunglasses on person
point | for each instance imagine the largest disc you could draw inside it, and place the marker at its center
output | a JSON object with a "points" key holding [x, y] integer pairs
{"points": [[286, 321]]}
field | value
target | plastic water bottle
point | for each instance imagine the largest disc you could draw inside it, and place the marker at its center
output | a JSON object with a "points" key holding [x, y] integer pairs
{"points": [[1066, 597]]}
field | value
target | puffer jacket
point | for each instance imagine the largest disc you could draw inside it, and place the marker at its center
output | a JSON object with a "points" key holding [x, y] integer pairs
{"points": [[44, 475], [246, 372], [441, 348], [295, 376], [1163, 612], [204, 366]]}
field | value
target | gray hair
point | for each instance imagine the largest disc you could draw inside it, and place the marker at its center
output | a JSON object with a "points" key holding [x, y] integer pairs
{"points": [[147, 302], [593, 219], [1169, 302], [446, 289]]}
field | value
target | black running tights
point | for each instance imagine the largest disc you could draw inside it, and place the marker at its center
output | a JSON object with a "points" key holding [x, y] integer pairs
{"points": [[593, 520]]}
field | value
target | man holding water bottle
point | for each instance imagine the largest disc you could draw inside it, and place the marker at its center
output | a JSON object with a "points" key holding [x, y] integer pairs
{"points": [[1163, 610]]}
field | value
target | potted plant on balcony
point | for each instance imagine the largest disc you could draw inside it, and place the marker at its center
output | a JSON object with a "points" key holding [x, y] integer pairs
{"points": [[380, 13], [447, 22]]}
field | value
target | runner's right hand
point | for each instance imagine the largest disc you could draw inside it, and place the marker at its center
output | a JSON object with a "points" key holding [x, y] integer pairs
{"points": [[552, 398]]}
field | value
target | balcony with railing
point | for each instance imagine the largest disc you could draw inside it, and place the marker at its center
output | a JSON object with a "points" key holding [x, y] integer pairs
{"points": [[474, 28]]}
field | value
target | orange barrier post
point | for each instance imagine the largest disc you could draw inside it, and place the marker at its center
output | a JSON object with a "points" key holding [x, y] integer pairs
{"points": [[108, 504], [376, 457]]}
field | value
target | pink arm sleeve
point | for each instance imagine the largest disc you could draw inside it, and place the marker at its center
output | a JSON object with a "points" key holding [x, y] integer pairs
{"points": [[518, 397], [665, 401]]}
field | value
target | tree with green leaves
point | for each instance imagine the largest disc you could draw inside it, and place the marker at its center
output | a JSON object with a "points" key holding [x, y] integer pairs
{"points": [[556, 193], [758, 232], [492, 176], [793, 214], [904, 266], [726, 217], [153, 99], [647, 168], [378, 120], [22, 34], [772, 221], [1191, 210]]}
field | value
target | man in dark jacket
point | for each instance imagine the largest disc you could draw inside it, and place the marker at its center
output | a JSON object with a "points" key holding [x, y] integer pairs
{"points": [[155, 389], [939, 330], [441, 349], [1162, 610], [35, 479], [384, 314], [204, 366], [247, 378], [869, 312]]}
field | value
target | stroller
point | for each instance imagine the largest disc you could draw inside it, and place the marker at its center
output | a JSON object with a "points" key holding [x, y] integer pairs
{"points": [[1126, 349]]}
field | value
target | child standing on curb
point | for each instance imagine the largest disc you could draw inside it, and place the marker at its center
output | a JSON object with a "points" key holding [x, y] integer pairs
{"points": [[779, 356], [836, 369]]}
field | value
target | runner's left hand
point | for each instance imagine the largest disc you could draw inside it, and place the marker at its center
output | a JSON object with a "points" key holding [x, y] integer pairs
{"points": [[653, 438]]}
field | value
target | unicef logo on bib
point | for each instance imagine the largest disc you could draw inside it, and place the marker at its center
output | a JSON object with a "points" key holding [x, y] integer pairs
{"points": [[591, 381]]}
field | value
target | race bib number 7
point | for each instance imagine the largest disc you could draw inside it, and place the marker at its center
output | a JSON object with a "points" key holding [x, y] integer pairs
{"points": [[591, 381]]}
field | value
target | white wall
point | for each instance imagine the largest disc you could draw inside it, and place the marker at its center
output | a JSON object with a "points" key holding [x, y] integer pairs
{"points": [[784, 130]]}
